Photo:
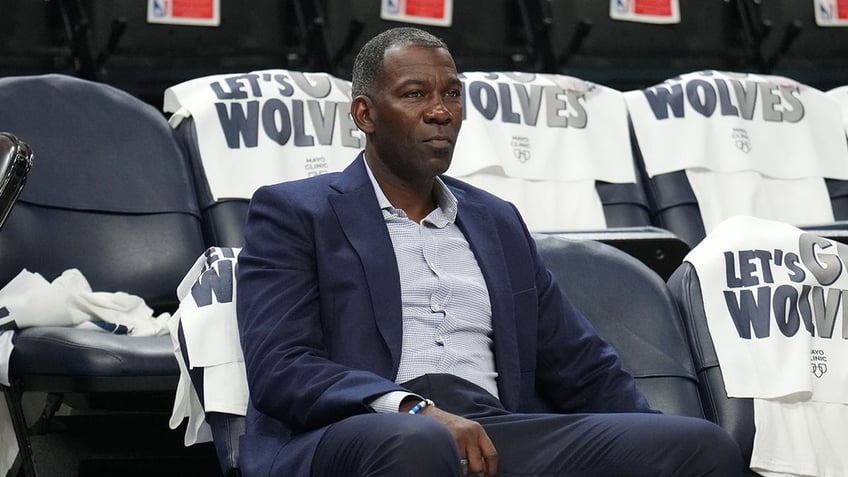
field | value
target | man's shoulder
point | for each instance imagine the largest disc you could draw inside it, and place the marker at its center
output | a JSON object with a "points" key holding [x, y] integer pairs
{"points": [[300, 187]]}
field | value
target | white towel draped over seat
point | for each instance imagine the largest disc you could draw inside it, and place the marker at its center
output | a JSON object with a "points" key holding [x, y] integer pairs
{"points": [[749, 144], [541, 141]]}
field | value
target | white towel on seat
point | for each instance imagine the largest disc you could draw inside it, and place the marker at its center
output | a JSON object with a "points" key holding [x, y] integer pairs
{"points": [[725, 129], [541, 141], [774, 297], [267, 126], [207, 314]]}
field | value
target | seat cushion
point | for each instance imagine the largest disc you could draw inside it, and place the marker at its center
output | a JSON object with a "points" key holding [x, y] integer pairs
{"points": [[84, 352]]}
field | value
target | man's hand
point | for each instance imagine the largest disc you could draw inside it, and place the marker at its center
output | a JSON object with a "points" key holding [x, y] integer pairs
{"points": [[473, 442]]}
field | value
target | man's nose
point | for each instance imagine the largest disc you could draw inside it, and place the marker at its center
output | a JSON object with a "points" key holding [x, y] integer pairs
{"points": [[438, 113]]}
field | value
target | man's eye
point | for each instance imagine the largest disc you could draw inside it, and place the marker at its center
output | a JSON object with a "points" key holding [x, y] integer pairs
{"points": [[413, 94], [454, 93]]}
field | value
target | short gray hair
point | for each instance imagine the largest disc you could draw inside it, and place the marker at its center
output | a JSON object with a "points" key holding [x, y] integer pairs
{"points": [[369, 61]]}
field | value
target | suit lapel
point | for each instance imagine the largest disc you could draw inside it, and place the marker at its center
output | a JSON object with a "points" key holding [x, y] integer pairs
{"points": [[479, 228], [363, 224]]}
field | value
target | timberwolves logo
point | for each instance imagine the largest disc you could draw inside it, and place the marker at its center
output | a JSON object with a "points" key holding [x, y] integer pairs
{"points": [[740, 138]]}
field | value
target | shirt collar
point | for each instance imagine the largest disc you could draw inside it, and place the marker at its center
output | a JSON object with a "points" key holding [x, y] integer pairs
{"points": [[445, 200]]}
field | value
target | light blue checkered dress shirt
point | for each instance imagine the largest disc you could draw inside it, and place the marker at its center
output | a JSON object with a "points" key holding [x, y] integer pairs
{"points": [[447, 316]]}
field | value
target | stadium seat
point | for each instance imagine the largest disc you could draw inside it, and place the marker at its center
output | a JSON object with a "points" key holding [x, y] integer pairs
{"points": [[222, 218], [721, 279], [581, 39], [111, 196], [736, 415], [632, 308], [713, 144]]}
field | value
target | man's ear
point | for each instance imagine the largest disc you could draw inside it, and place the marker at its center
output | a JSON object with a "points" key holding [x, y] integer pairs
{"points": [[360, 110]]}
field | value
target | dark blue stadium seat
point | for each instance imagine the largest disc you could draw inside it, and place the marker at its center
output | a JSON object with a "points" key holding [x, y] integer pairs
{"points": [[631, 307], [111, 196], [735, 415]]}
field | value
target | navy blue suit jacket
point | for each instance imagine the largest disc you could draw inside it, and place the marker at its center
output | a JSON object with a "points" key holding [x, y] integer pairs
{"points": [[320, 316]]}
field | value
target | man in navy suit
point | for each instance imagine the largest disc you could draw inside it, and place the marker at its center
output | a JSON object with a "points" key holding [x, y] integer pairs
{"points": [[398, 322]]}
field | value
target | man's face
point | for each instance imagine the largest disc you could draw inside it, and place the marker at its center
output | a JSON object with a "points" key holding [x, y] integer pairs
{"points": [[415, 112]]}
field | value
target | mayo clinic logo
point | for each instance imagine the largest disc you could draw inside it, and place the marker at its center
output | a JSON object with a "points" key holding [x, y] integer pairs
{"points": [[741, 139], [818, 361], [520, 148]]}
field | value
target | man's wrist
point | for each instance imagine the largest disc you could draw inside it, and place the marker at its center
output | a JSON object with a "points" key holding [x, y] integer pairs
{"points": [[423, 404], [417, 403]]}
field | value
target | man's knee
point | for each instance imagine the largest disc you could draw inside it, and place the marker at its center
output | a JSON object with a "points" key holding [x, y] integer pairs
{"points": [[700, 447], [387, 445], [419, 440]]}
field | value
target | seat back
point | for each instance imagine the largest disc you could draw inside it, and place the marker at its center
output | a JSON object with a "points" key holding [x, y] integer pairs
{"points": [[112, 194], [222, 218], [735, 415], [631, 307], [716, 144]]}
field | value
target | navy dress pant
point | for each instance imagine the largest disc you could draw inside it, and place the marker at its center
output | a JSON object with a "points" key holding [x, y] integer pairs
{"points": [[562, 445]]}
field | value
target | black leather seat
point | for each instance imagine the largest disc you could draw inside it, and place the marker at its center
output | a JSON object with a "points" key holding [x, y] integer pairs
{"points": [[631, 307], [222, 219], [735, 415], [112, 196]]}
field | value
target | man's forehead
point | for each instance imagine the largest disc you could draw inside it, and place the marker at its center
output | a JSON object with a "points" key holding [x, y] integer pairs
{"points": [[410, 59]]}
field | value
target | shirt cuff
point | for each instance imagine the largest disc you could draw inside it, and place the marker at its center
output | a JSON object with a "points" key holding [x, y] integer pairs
{"points": [[390, 402]]}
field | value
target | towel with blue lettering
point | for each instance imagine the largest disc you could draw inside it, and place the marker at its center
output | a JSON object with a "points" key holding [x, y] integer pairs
{"points": [[774, 298]]}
